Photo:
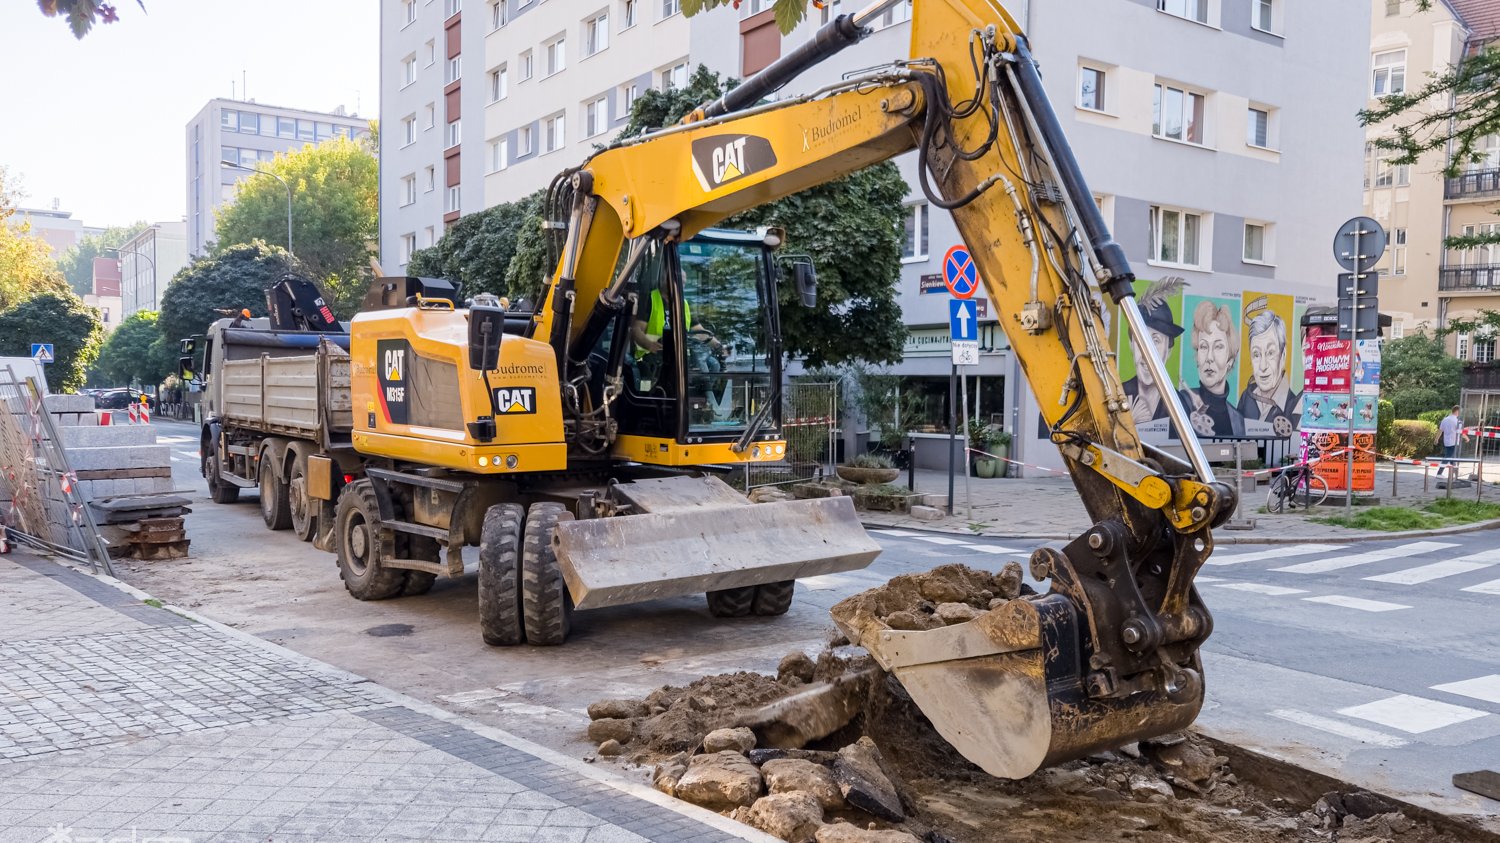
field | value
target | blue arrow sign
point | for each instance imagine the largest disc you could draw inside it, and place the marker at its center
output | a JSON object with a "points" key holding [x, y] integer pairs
{"points": [[41, 352], [963, 323]]}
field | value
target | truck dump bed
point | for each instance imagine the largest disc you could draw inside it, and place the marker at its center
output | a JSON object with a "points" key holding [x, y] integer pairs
{"points": [[293, 396]]}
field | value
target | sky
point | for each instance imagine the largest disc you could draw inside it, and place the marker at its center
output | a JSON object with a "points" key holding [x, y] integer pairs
{"points": [[100, 124]]}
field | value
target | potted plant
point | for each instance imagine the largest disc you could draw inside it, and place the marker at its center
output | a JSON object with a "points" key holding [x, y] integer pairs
{"points": [[990, 444], [869, 469]]}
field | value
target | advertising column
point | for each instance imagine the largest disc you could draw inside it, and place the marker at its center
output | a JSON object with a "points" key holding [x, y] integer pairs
{"points": [[1343, 382]]}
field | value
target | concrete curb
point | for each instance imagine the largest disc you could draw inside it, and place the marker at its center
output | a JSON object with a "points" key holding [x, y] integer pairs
{"points": [[551, 756], [1219, 535]]}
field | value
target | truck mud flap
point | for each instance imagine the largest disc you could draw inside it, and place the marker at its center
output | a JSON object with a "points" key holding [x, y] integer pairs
{"points": [[694, 549]]}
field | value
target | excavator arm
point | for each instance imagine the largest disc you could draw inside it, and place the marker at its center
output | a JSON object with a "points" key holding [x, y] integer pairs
{"points": [[1110, 653]]}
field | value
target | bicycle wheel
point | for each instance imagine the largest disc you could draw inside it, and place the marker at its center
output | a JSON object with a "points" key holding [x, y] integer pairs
{"points": [[1277, 495], [1312, 491]]}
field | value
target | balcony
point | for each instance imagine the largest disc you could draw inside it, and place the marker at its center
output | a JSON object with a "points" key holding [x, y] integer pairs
{"points": [[1476, 184], [1482, 376], [1484, 278]]}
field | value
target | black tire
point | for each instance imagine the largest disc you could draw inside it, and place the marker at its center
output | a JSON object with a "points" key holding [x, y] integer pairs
{"points": [[500, 614], [275, 509], [360, 546], [418, 583], [1275, 496], [1312, 492], [304, 510], [773, 598], [731, 602], [219, 490], [546, 608]]}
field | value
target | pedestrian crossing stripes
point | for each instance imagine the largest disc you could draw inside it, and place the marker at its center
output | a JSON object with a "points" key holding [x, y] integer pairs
{"points": [[1278, 552], [1428, 573], [1261, 588], [1338, 727], [1356, 603], [1337, 563], [1485, 688], [1491, 587], [1413, 715]]}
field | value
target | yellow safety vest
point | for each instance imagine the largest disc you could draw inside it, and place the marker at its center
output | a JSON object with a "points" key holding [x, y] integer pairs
{"points": [[656, 321]]}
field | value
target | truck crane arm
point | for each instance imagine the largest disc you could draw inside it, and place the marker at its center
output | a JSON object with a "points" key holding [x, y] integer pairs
{"points": [[1110, 653]]}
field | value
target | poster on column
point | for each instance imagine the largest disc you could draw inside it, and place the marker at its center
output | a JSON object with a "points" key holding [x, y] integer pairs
{"points": [[1335, 396], [1161, 306], [1270, 378], [1211, 365]]}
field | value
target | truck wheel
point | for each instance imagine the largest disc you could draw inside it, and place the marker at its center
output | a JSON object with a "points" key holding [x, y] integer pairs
{"points": [[546, 606], [218, 489], [360, 544], [418, 583], [773, 598], [303, 509], [500, 575], [731, 602], [275, 509]]}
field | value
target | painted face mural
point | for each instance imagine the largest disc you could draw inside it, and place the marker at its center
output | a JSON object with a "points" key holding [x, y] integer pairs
{"points": [[1267, 360]]}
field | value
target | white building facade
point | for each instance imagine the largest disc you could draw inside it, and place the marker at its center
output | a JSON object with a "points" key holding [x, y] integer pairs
{"points": [[148, 261]]}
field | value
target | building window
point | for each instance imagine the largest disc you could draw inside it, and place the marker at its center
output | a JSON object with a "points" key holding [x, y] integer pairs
{"points": [[1484, 349], [499, 83], [627, 13], [595, 117], [1258, 128], [556, 57], [1177, 114], [455, 69], [1265, 15], [914, 242], [455, 130], [1461, 346], [452, 202], [674, 77], [307, 130], [526, 140], [1257, 242], [1398, 328], [1174, 236], [1392, 8], [628, 94], [431, 52], [1388, 174], [249, 122], [1191, 9], [1398, 251], [451, 7], [499, 155], [1389, 73], [431, 238], [670, 8], [499, 14], [431, 116], [408, 190], [431, 179], [526, 65], [596, 34], [411, 10], [409, 131], [408, 70], [1091, 88], [408, 245], [286, 127], [554, 132]]}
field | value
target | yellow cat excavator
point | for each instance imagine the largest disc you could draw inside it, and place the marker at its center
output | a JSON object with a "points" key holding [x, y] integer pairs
{"points": [[656, 349]]}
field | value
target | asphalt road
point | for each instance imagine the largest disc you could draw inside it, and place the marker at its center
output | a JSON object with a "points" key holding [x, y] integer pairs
{"points": [[1373, 662]]}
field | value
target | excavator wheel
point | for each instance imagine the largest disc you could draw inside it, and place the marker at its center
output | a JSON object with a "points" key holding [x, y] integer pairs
{"points": [[220, 491], [732, 602], [546, 607], [500, 575], [275, 507], [304, 509], [418, 583], [360, 545], [773, 598]]}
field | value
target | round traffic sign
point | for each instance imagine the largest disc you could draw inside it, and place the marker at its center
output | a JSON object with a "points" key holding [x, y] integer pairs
{"points": [[959, 273], [1371, 241]]}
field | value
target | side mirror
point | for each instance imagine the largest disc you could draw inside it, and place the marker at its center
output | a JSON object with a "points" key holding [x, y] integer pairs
{"points": [[486, 324], [185, 368], [806, 279], [188, 346]]}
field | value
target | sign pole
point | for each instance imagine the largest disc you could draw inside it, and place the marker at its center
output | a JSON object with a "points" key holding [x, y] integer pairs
{"points": [[968, 458], [1353, 350], [952, 430]]}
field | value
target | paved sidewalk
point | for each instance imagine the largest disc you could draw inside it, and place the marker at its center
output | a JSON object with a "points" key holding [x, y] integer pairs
{"points": [[123, 720], [1049, 508]]}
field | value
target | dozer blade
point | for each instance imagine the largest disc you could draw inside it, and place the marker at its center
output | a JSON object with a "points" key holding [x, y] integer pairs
{"points": [[1006, 689], [694, 539]]}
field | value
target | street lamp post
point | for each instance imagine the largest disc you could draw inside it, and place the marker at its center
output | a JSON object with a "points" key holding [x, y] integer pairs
{"points": [[284, 184]]}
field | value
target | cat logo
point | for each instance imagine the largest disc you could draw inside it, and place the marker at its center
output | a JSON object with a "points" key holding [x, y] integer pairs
{"points": [[515, 400], [395, 361], [721, 159]]}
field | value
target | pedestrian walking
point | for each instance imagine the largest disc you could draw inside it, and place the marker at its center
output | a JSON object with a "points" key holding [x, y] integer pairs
{"points": [[1450, 433]]}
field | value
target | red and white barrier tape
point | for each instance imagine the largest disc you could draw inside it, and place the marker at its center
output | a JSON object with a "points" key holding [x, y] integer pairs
{"points": [[1014, 462]]}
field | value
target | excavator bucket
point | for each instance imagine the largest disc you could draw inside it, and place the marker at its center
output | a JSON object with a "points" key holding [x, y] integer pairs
{"points": [[1006, 689], [696, 534]]}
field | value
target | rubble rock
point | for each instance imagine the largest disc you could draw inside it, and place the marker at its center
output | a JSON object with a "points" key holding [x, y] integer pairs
{"points": [[864, 784], [1382, 826], [794, 817], [955, 613], [616, 709], [926, 513], [610, 748], [720, 780], [792, 775], [1364, 804], [911, 620], [847, 833], [699, 702], [816, 756], [668, 773], [795, 665], [740, 740], [611, 728], [1009, 580], [1144, 789], [1068, 781], [1104, 794], [769, 494], [1189, 760]]}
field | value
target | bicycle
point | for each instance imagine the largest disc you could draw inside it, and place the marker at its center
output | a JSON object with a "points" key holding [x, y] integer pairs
{"points": [[1296, 485]]}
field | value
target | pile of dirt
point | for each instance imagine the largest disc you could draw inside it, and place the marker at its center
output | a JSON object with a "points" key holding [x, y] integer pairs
{"points": [[945, 595]]}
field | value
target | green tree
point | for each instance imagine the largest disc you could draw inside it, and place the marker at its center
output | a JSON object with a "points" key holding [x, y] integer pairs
{"points": [[136, 352], [61, 318], [1418, 374], [220, 284], [788, 13], [26, 265], [334, 222], [477, 250], [849, 227], [81, 15], [77, 263]]}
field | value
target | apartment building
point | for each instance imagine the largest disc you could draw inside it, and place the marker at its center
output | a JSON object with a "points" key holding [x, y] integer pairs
{"points": [[247, 134], [432, 59], [1423, 284], [104, 292], [1221, 161], [58, 228], [148, 262]]}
